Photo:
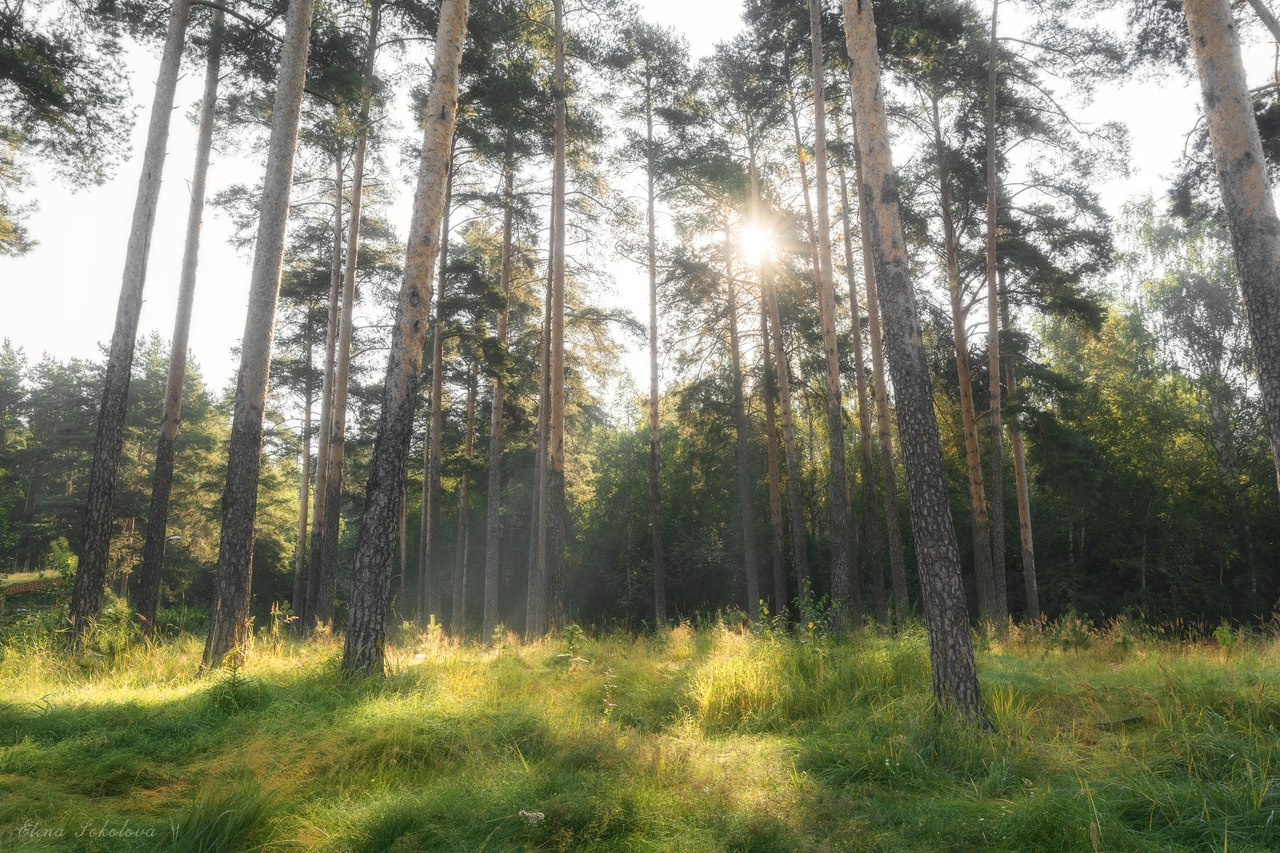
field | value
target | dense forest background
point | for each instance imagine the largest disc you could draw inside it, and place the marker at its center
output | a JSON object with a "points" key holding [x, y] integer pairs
{"points": [[1152, 489]]}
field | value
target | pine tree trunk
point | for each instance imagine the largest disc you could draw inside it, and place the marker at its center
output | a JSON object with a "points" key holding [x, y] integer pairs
{"points": [[324, 486], [366, 635], [846, 591], [870, 500], [888, 471], [955, 678], [982, 560], [148, 595], [326, 588], [461, 555], [493, 514], [1246, 190], [95, 547], [770, 391], [1000, 590], [433, 446], [404, 544], [304, 490], [1030, 586], [228, 620], [746, 505], [536, 596], [552, 493], [655, 467]]}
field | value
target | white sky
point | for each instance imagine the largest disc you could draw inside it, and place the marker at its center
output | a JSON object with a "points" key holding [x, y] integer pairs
{"points": [[62, 295]]}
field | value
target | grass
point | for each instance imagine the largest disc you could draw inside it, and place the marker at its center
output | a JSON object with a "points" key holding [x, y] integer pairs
{"points": [[706, 738], [19, 578]]}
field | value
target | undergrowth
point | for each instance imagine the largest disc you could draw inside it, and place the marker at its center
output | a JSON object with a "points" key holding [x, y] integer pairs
{"points": [[714, 737]]}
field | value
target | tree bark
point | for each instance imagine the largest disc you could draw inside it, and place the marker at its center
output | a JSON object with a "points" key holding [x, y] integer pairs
{"points": [[982, 554], [770, 391], [461, 556], [870, 501], [228, 620], [304, 491], [366, 635], [433, 446], [536, 594], [326, 588], [746, 505], [1000, 590], [846, 591], [326, 407], [148, 596], [95, 549], [1030, 587], [1246, 190], [493, 505], [955, 678], [655, 467], [888, 469], [552, 493]]}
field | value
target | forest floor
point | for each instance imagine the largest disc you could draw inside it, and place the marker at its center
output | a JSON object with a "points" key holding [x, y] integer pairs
{"points": [[699, 738]]}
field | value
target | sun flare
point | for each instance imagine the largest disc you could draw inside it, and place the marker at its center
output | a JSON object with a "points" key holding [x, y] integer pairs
{"points": [[756, 243]]}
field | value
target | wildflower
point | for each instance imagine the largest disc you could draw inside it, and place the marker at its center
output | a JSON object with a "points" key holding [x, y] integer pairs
{"points": [[533, 818]]}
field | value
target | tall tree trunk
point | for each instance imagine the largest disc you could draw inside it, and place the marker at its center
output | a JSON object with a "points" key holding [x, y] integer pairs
{"points": [[327, 489], [655, 467], [552, 496], [1000, 590], [228, 621], [888, 469], [433, 446], [95, 549], [1246, 190], [366, 636], [774, 349], [536, 595], [493, 504], [328, 577], [870, 501], [148, 597], [770, 391], [302, 604], [982, 559], [404, 544], [1030, 586], [304, 491], [846, 591], [461, 555], [745, 504], [955, 678]]}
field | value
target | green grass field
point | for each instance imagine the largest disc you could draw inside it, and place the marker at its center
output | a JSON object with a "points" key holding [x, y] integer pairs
{"points": [[700, 738]]}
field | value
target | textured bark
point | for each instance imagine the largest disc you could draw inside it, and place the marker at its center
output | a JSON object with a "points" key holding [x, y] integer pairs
{"points": [[148, 595], [770, 391], [982, 559], [1000, 590], [432, 447], [462, 555], [846, 591], [1030, 587], [86, 596], [552, 509], [888, 471], [404, 544], [326, 405], [304, 494], [870, 500], [493, 514], [366, 635], [795, 491], [655, 460], [536, 594], [228, 620], [746, 506], [1246, 190], [327, 578], [955, 679]]}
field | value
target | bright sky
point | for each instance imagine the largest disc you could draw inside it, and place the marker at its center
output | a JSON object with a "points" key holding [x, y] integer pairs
{"points": [[62, 295]]}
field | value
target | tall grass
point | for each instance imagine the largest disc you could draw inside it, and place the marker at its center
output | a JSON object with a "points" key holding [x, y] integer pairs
{"points": [[714, 737]]}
